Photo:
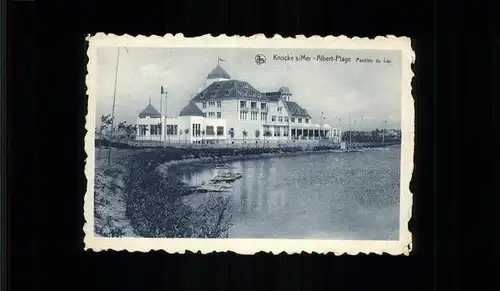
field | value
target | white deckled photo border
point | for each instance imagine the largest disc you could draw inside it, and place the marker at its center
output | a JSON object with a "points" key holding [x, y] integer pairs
{"points": [[252, 246]]}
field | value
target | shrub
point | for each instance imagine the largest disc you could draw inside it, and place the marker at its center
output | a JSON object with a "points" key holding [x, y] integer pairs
{"points": [[154, 204]]}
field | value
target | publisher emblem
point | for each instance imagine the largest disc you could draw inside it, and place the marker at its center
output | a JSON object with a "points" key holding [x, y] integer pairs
{"points": [[260, 59]]}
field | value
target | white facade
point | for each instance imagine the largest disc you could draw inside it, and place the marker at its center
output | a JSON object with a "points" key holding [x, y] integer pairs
{"points": [[181, 130], [248, 117]]}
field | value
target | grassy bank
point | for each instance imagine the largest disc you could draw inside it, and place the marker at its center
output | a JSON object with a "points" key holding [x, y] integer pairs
{"points": [[109, 204], [154, 206]]}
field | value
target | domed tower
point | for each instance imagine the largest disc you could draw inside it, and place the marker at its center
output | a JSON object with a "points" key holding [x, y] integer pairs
{"points": [[218, 74], [286, 95]]}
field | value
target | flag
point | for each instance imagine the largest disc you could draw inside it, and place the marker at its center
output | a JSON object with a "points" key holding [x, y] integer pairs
{"points": [[126, 49], [162, 90], [221, 60], [385, 121]]}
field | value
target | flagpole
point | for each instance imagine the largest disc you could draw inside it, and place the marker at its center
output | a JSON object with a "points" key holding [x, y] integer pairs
{"points": [[166, 99], [113, 109], [161, 118], [350, 132], [340, 130], [321, 125], [383, 132]]}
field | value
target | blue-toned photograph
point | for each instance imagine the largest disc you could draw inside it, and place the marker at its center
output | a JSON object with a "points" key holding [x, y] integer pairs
{"points": [[247, 143]]}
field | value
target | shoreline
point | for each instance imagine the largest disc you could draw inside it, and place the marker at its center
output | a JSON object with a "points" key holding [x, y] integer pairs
{"points": [[224, 159], [115, 204]]}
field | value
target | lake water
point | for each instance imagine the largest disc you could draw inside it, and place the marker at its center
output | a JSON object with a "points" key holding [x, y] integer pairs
{"points": [[322, 196]]}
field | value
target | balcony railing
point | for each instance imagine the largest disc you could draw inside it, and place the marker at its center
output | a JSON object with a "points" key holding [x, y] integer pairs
{"points": [[254, 109], [244, 108], [263, 109]]}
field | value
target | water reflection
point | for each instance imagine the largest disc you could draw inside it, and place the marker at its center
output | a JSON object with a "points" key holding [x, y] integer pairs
{"points": [[339, 196]]}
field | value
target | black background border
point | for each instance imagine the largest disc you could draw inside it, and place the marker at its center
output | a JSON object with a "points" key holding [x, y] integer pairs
{"points": [[46, 60]]}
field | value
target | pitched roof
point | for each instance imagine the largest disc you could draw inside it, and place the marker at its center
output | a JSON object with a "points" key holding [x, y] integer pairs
{"points": [[150, 111], [217, 73], [230, 89], [295, 110], [273, 96], [191, 110]]}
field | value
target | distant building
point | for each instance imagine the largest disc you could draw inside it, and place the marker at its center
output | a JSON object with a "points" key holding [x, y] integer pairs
{"points": [[233, 110]]}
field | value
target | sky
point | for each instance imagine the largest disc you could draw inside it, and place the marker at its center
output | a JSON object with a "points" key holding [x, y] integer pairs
{"points": [[366, 93]]}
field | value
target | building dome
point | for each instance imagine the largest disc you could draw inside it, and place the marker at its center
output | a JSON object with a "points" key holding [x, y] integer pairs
{"points": [[284, 90], [150, 112], [218, 73]]}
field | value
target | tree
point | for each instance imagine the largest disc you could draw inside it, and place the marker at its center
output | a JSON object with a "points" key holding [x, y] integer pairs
{"points": [[202, 135], [124, 132], [105, 124], [180, 133], [257, 133], [186, 131]]}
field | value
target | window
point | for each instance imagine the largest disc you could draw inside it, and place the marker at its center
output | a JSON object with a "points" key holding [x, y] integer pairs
{"points": [[220, 130], [226, 93], [280, 118], [285, 131], [211, 103], [171, 129], [280, 109], [210, 130], [243, 104], [212, 94], [156, 129], [205, 114], [253, 105], [307, 120], [204, 104], [286, 119], [263, 106], [143, 129], [219, 115], [243, 115], [276, 131], [293, 119], [196, 129], [254, 116], [219, 104], [211, 114], [273, 118], [263, 116], [299, 120]]}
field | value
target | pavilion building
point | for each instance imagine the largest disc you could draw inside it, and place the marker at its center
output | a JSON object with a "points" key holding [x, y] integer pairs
{"points": [[229, 110]]}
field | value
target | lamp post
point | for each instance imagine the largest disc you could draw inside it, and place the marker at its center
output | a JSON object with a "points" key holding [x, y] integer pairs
{"points": [[340, 128], [113, 108]]}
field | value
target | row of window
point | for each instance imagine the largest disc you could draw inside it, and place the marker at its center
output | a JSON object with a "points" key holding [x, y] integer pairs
{"points": [[173, 130], [253, 105], [263, 117], [212, 115], [155, 129], [209, 130], [253, 115], [243, 104], [212, 104]]}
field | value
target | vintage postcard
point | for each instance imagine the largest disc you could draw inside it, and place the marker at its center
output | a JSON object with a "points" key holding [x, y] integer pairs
{"points": [[249, 144]]}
